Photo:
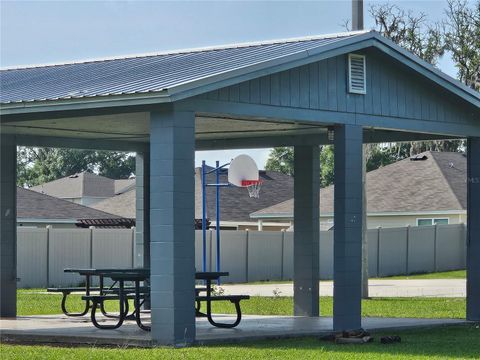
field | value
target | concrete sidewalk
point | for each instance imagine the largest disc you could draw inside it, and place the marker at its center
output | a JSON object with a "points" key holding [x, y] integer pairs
{"points": [[377, 288]]}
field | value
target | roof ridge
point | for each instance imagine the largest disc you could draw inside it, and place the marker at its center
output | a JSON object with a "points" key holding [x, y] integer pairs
{"points": [[189, 50]]}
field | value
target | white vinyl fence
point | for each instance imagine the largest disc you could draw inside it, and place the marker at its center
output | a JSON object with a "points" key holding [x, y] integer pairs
{"points": [[246, 255]]}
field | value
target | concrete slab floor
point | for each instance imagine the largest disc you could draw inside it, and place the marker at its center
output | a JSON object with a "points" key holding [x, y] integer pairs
{"points": [[70, 331]]}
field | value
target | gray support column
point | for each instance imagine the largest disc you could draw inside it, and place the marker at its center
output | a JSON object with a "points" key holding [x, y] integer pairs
{"points": [[142, 228], [347, 267], [8, 226], [306, 230], [473, 229], [172, 247]]}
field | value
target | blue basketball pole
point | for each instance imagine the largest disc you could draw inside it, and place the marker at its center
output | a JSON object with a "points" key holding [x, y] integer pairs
{"points": [[217, 185], [204, 219], [217, 212]]}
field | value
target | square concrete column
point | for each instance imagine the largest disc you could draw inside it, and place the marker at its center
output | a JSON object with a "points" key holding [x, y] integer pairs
{"points": [[347, 249], [142, 229], [306, 230], [172, 237], [8, 226], [473, 229]]}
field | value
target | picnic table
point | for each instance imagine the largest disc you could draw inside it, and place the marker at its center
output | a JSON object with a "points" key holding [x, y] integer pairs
{"points": [[121, 293]]}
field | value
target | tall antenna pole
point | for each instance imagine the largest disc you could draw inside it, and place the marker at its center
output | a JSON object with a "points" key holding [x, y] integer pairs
{"points": [[357, 15]]}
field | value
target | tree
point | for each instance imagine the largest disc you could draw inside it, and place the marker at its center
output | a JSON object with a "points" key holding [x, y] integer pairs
{"points": [[39, 165], [412, 32], [281, 159], [462, 40], [327, 157], [429, 41], [115, 165]]}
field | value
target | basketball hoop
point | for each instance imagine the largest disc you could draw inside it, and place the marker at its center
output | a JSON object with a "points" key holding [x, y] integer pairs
{"points": [[253, 187], [243, 172]]}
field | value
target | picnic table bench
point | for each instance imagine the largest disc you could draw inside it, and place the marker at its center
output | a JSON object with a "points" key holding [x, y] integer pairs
{"points": [[87, 289], [208, 277], [139, 293]]}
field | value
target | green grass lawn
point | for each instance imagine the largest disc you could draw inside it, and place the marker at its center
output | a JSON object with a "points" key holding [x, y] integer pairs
{"points": [[37, 302], [459, 342], [439, 343], [457, 274]]}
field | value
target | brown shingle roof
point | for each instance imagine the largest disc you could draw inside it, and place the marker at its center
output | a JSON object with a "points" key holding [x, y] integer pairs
{"points": [[435, 184], [122, 205], [235, 204], [78, 185], [123, 185], [33, 205]]}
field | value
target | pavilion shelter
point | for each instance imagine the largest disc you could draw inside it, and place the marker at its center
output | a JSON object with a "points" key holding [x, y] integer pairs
{"points": [[347, 89]]}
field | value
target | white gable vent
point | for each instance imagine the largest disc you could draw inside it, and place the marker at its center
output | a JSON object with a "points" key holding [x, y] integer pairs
{"points": [[357, 82]]}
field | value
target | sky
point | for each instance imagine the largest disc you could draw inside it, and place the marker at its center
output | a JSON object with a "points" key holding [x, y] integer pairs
{"points": [[38, 32]]}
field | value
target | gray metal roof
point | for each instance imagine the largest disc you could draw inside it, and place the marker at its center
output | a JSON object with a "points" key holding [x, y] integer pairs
{"points": [[147, 73], [175, 75]]}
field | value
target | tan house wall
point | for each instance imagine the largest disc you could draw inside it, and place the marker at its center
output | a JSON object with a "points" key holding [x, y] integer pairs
{"points": [[266, 227], [402, 220]]}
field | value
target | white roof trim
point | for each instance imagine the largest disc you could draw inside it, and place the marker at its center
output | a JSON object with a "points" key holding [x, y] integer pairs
{"points": [[386, 213]]}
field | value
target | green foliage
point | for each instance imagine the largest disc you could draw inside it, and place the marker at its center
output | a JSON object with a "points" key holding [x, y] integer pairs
{"points": [[326, 165], [412, 32], [462, 39], [39, 165], [455, 274], [115, 165], [281, 159]]}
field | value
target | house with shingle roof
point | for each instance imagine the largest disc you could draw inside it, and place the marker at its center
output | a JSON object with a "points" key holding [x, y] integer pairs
{"points": [[235, 204], [39, 210], [84, 188], [427, 189]]}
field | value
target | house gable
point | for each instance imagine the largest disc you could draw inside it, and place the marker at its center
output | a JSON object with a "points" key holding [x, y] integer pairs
{"points": [[323, 85]]}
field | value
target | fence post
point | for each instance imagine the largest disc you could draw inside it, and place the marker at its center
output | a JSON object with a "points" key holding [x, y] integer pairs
{"points": [[133, 246], [282, 254], [406, 254], [435, 248], [210, 250], [246, 254], [48, 254], [91, 245], [464, 237], [378, 250]]}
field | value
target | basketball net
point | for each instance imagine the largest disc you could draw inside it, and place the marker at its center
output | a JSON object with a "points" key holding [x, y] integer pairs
{"points": [[253, 187]]}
